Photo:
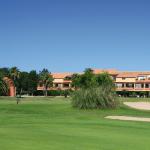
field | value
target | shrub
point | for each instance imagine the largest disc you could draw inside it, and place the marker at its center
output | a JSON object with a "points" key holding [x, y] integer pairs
{"points": [[38, 93], [53, 93], [94, 91], [92, 98]]}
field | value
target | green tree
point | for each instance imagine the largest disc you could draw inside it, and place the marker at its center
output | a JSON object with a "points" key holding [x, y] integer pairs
{"points": [[4, 72], [33, 80], [46, 80], [87, 79], [76, 81], [84, 80], [23, 83], [104, 80]]}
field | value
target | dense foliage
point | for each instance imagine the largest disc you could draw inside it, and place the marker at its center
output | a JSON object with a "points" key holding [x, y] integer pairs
{"points": [[94, 91], [46, 80], [54, 93], [96, 97], [28, 82], [24, 82], [33, 79]]}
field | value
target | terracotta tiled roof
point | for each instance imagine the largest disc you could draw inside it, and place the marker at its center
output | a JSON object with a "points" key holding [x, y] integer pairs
{"points": [[60, 75], [131, 74], [144, 73], [127, 74], [109, 71], [119, 74]]}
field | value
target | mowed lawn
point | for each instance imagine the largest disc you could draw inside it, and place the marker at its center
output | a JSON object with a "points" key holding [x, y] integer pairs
{"points": [[52, 124]]}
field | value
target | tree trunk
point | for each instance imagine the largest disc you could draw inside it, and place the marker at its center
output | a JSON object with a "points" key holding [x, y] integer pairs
{"points": [[20, 92], [46, 92], [15, 91]]}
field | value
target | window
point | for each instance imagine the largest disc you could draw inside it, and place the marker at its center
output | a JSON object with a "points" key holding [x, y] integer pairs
{"points": [[57, 85], [146, 85], [141, 77], [123, 78], [130, 85], [142, 85], [119, 85], [138, 86], [66, 85]]}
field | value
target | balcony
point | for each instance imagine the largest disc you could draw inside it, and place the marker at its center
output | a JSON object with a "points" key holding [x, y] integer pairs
{"points": [[54, 88], [131, 89], [142, 81]]}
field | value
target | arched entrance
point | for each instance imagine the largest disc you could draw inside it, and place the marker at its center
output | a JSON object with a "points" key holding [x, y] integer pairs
{"points": [[11, 87]]}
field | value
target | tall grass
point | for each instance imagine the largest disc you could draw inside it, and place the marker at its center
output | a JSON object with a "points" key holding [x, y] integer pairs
{"points": [[94, 98]]}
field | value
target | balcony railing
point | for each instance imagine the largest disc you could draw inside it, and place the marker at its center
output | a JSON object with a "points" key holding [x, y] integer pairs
{"points": [[131, 89], [143, 81], [54, 88]]}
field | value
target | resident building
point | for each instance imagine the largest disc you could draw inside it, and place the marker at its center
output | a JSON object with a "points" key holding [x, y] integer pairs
{"points": [[124, 80], [60, 81], [133, 81]]}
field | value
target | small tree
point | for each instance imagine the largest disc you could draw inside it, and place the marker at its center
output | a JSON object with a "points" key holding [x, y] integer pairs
{"points": [[46, 80]]}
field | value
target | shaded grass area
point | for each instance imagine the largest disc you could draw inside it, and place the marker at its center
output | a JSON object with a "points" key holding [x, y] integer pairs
{"points": [[51, 123]]}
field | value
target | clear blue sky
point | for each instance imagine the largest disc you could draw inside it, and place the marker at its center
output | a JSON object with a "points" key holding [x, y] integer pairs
{"points": [[70, 35]]}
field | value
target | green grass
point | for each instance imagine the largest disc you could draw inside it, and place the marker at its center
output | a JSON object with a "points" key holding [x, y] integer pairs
{"points": [[52, 124]]}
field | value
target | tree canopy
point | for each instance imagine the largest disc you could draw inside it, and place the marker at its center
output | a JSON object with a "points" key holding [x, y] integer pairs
{"points": [[46, 80]]}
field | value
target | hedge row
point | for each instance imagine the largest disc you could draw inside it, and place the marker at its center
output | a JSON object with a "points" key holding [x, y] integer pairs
{"points": [[53, 93], [133, 93]]}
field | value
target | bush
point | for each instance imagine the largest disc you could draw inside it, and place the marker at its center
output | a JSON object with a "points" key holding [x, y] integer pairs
{"points": [[53, 93], [3, 93], [92, 98], [38, 93], [67, 93]]}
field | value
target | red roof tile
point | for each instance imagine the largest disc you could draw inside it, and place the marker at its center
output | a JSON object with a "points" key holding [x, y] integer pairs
{"points": [[109, 71], [131, 74], [60, 75]]}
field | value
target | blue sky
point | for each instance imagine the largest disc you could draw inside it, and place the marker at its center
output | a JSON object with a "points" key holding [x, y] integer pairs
{"points": [[71, 35]]}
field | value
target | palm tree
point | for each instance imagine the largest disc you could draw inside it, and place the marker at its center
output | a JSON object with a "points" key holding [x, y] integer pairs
{"points": [[14, 74], [3, 87], [46, 80]]}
